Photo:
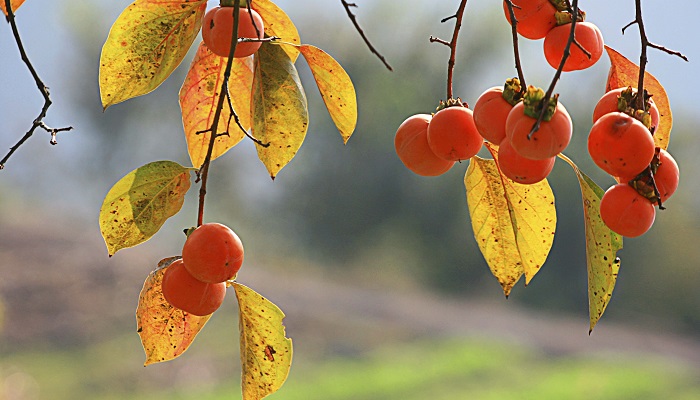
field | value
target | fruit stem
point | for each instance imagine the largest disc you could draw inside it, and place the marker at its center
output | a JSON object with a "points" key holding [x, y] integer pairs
{"points": [[452, 44], [516, 48]]}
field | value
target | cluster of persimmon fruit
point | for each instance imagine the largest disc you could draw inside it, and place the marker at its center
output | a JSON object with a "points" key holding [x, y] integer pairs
{"points": [[217, 31], [621, 143], [550, 20], [196, 283]]}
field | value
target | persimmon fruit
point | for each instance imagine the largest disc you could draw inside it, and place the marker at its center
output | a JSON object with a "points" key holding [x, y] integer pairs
{"points": [[549, 140], [411, 143], [621, 145], [213, 253], [185, 292], [520, 169], [586, 34], [610, 102], [667, 175], [452, 134], [217, 31], [626, 212], [490, 113], [535, 17]]}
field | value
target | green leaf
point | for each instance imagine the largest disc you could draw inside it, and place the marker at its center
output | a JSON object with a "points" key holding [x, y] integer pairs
{"points": [[602, 246], [278, 23], [266, 352], [513, 224], [165, 331], [145, 45], [280, 113], [140, 203], [336, 89]]}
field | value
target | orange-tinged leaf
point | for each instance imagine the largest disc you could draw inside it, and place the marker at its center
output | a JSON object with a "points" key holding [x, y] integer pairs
{"points": [[602, 246], [13, 3], [145, 45], [513, 224], [278, 23], [266, 352], [166, 332], [280, 113], [199, 97], [624, 72], [140, 203], [336, 89]]}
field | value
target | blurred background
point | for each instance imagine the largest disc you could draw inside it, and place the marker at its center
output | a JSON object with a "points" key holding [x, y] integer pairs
{"points": [[385, 291]]}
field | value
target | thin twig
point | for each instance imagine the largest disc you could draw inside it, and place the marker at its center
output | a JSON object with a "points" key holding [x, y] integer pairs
{"points": [[353, 19], [452, 44], [43, 89], [516, 48]]}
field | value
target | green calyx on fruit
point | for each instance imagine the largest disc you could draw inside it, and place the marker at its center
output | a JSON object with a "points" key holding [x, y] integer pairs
{"points": [[450, 103], [565, 17], [644, 182], [512, 91], [532, 100], [560, 5], [627, 103]]}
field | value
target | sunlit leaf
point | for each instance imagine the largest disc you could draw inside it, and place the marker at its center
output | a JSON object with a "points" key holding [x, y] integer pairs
{"points": [[13, 3], [266, 352], [145, 45], [336, 89], [513, 224], [280, 113], [140, 203], [602, 246], [624, 72], [166, 332], [199, 97], [278, 23]]}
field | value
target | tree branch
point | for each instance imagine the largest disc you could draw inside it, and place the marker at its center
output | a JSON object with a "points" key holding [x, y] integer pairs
{"points": [[452, 44], [353, 19], [516, 48]]}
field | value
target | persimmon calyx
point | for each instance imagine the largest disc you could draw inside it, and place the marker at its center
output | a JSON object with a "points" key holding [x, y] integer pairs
{"points": [[627, 102], [644, 183], [450, 103], [532, 100], [565, 17], [560, 5], [512, 91]]}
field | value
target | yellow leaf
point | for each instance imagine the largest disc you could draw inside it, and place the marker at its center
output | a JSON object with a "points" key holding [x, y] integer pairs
{"points": [[166, 332], [513, 224], [623, 73], [140, 203], [266, 352], [278, 23], [199, 97], [13, 3], [145, 45], [336, 89], [280, 113], [602, 246]]}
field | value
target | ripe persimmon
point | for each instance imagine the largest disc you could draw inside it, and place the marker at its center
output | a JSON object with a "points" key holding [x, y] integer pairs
{"points": [[213, 253], [520, 169], [535, 17], [490, 113], [452, 134], [185, 292], [587, 35], [217, 31], [620, 145], [411, 143], [626, 212], [549, 140], [667, 175], [619, 100]]}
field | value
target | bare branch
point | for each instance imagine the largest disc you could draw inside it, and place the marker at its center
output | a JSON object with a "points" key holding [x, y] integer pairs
{"points": [[353, 19]]}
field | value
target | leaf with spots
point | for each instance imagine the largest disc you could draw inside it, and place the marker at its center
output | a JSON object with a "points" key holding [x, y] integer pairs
{"points": [[145, 45], [266, 352], [602, 246], [513, 224], [140, 203], [277, 23], [280, 113], [199, 97], [166, 332], [336, 89], [623, 73], [13, 3]]}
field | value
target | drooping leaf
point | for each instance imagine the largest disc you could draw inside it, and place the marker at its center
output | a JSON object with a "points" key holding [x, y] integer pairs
{"points": [[336, 89], [199, 98], [140, 203], [513, 224], [166, 332], [602, 246], [145, 45], [266, 352], [278, 23], [624, 72], [280, 113], [13, 3]]}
